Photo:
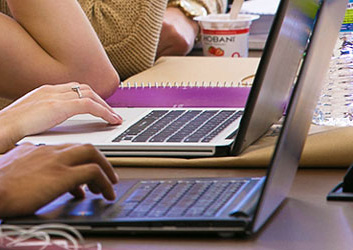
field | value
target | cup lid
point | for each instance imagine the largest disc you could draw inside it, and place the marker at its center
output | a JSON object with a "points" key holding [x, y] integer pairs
{"points": [[225, 18]]}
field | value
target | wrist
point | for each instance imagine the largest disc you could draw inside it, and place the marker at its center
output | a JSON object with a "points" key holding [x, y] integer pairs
{"points": [[190, 8], [9, 134]]}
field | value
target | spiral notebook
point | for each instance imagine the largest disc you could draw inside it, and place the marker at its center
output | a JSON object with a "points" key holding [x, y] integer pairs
{"points": [[189, 82]]}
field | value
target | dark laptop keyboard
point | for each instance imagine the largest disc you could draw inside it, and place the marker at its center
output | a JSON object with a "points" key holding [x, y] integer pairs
{"points": [[179, 126], [178, 198]]}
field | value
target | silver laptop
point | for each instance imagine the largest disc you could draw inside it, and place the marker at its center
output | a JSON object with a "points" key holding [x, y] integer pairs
{"points": [[221, 205], [203, 132]]}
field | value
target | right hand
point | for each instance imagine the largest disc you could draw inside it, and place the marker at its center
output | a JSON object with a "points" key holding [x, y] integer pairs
{"points": [[32, 176], [48, 106]]}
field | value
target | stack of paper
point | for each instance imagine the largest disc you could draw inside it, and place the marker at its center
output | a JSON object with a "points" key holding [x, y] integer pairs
{"points": [[260, 28]]}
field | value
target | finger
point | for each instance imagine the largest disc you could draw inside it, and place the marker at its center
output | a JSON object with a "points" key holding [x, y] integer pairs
{"points": [[93, 188], [77, 154], [95, 102], [86, 105], [88, 92], [78, 192], [94, 96], [63, 87], [93, 174], [48, 90]]}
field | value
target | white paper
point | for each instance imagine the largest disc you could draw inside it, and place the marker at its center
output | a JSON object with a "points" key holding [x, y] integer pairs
{"points": [[260, 7]]}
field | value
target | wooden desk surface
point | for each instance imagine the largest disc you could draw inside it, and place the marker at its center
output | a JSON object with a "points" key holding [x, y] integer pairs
{"points": [[305, 221]]}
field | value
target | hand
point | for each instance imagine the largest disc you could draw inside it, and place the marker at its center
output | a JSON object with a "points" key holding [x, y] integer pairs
{"points": [[47, 106], [177, 35], [31, 176]]}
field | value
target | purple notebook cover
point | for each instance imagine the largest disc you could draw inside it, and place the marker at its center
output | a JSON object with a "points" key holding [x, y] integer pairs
{"points": [[234, 97]]}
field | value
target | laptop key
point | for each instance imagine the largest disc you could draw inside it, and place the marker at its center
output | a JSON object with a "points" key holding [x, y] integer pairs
{"points": [[170, 199], [141, 125], [176, 198], [221, 127], [175, 126], [158, 126], [188, 199], [210, 125], [206, 199], [141, 192], [223, 198], [151, 200], [192, 125]]}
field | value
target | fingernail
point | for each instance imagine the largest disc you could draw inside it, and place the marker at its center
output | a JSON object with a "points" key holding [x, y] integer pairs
{"points": [[117, 178], [117, 118], [113, 196]]}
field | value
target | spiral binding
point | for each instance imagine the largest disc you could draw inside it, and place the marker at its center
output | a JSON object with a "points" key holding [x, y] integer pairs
{"points": [[245, 82]]}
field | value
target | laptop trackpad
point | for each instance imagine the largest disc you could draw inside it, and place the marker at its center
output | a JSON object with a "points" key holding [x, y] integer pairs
{"points": [[80, 126]]}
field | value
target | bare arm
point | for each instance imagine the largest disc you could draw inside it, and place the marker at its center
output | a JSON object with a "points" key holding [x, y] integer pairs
{"points": [[50, 41], [47, 106]]}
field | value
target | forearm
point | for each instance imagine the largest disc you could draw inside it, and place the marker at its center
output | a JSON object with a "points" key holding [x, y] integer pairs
{"points": [[58, 26], [64, 47]]}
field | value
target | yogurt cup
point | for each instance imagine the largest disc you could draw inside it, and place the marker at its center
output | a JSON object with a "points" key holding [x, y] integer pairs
{"points": [[225, 37]]}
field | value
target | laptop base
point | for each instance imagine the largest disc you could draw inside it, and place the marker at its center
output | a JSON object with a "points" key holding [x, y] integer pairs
{"points": [[337, 194]]}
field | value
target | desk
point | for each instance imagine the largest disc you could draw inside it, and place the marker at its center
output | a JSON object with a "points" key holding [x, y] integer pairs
{"points": [[305, 221]]}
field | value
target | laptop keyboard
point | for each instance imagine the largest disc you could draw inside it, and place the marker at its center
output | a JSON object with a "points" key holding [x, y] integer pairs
{"points": [[178, 198], [179, 126]]}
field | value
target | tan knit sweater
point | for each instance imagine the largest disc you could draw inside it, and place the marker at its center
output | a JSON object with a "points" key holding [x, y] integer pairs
{"points": [[129, 29]]}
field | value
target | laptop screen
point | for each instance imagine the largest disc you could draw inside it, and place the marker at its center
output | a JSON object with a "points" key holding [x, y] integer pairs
{"points": [[328, 17], [277, 70]]}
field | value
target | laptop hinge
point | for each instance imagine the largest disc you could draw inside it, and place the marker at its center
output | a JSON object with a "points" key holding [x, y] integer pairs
{"points": [[246, 207]]}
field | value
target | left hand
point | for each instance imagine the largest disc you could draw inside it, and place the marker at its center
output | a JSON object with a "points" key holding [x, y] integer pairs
{"points": [[178, 34], [48, 106]]}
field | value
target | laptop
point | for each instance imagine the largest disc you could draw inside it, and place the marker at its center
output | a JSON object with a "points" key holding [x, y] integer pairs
{"points": [[218, 205], [203, 132]]}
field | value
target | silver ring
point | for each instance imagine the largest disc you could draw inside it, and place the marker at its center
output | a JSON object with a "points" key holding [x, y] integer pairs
{"points": [[77, 90]]}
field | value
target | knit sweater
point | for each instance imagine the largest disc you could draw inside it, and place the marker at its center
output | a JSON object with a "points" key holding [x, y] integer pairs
{"points": [[129, 29]]}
